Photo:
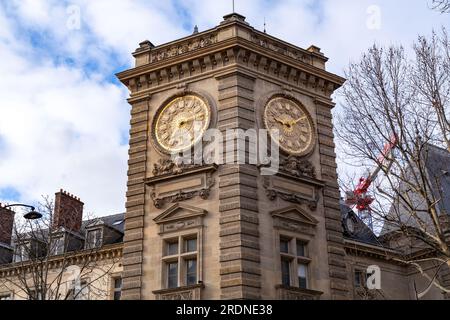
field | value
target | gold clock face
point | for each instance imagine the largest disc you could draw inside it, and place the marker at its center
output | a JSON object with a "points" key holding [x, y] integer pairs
{"points": [[181, 123], [293, 124]]}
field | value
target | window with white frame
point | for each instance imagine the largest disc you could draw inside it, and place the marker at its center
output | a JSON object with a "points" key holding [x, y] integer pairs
{"points": [[94, 238], [57, 245], [294, 262], [180, 261], [21, 252]]}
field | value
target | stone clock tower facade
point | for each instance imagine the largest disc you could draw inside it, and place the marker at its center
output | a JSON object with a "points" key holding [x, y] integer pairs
{"points": [[210, 230]]}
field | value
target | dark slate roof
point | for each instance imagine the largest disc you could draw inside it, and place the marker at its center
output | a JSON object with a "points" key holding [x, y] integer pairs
{"points": [[115, 221], [361, 232], [438, 165]]}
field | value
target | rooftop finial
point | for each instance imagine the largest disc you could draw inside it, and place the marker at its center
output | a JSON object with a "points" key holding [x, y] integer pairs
{"points": [[233, 6], [195, 29], [264, 24]]}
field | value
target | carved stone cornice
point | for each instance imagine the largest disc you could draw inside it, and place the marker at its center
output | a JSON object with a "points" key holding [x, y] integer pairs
{"points": [[353, 247], [238, 52], [233, 42], [113, 251], [222, 33]]}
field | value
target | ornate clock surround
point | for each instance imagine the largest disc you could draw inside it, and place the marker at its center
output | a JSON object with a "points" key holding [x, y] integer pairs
{"points": [[265, 100], [197, 93]]}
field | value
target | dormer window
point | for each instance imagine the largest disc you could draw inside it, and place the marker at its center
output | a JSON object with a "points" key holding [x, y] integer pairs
{"points": [[94, 238], [58, 245], [21, 253], [29, 249]]}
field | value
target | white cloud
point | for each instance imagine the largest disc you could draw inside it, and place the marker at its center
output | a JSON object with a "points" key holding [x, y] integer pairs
{"points": [[62, 123], [122, 25], [63, 130], [33, 11]]}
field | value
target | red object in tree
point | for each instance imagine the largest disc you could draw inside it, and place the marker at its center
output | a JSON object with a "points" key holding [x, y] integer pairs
{"points": [[359, 197]]}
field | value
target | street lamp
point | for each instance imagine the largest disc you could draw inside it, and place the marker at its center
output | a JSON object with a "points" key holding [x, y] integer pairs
{"points": [[31, 215]]}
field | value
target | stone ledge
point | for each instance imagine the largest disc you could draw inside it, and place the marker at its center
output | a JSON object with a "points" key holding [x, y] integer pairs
{"points": [[131, 294], [293, 293], [180, 293]]}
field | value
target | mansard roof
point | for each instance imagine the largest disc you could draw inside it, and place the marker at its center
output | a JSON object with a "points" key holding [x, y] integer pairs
{"points": [[362, 233]]}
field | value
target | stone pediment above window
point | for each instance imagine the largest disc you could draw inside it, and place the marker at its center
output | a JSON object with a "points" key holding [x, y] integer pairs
{"points": [[96, 223], [294, 218], [179, 217]]}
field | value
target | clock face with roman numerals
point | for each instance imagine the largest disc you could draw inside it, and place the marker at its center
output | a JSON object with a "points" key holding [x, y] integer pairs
{"points": [[181, 123], [289, 125]]}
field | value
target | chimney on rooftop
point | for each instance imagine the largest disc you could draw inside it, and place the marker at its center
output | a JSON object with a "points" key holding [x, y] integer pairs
{"points": [[6, 225], [68, 211]]}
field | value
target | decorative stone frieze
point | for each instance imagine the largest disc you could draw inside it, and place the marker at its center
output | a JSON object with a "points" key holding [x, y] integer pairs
{"points": [[184, 47], [300, 190], [291, 293], [180, 183], [298, 167], [184, 293]]}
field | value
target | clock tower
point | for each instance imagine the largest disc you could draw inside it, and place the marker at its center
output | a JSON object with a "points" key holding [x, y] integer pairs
{"points": [[223, 229]]}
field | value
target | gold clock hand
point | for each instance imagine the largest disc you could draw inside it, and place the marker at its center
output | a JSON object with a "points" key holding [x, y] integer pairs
{"points": [[284, 123], [297, 121], [184, 121]]}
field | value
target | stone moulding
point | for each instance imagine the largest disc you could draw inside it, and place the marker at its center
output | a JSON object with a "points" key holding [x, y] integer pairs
{"points": [[298, 167], [295, 219], [172, 220], [109, 252], [362, 249], [294, 75], [302, 190], [169, 167], [189, 183], [247, 53], [292, 293], [184, 47], [294, 53], [183, 293]]}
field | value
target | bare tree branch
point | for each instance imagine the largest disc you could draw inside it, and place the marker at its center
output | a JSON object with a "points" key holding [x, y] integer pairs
{"points": [[388, 93], [442, 6], [39, 272]]}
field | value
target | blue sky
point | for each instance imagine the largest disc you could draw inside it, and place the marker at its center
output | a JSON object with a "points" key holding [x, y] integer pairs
{"points": [[63, 114]]}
